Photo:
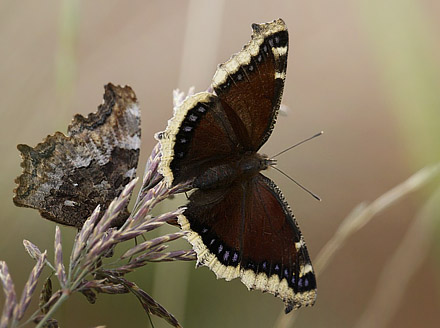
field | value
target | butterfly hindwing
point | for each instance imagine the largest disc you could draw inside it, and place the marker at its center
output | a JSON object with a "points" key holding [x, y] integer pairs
{"points": [[275, 247], [66, 177], [248, 231]]}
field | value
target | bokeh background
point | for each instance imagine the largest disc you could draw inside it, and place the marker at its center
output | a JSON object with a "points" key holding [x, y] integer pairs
{"points": [[367, 72]]}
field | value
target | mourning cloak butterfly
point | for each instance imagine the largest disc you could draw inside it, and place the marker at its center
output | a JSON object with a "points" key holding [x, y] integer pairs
{"points": [[237, 219], [66, 177]]}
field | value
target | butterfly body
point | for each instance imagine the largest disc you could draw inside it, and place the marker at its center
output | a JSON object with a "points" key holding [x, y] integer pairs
{"points": [[223, 175], [237, 220]]}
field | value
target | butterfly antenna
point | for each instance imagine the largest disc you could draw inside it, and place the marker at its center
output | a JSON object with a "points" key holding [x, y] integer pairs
{"points": [[299, 143], [298, 184]]}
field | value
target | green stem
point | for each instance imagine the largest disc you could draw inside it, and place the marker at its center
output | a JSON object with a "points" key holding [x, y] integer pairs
{"points": [[50, 265], [48, 315]]}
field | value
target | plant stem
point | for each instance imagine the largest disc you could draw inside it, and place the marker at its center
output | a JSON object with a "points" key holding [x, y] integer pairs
{"points": [[54, 307]]}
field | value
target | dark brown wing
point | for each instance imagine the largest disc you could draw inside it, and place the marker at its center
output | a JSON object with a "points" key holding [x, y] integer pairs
{"points": [[250, 84], [208, 129], [198, 136], [66, 177], [248, 231]]}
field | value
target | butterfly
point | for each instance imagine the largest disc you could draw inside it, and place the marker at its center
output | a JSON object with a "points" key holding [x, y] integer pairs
{"points": [[66, 177], [237, 219]]}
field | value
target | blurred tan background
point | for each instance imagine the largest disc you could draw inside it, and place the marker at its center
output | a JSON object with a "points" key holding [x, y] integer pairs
{"points": [[367, 72]]}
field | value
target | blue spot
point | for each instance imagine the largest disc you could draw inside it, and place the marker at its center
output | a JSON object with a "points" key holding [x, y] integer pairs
{"points": [[226, 256]]}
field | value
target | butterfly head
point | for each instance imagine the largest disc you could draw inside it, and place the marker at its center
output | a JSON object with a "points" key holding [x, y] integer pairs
{"points": [[252, 163], [270, 161]]}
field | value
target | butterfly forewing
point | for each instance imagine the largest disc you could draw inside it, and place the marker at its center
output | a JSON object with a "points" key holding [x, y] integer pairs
{"points": [[198, 136], [250, 84]]}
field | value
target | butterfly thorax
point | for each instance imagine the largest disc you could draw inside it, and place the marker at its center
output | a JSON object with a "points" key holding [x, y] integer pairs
{"points": [[225, 174]]}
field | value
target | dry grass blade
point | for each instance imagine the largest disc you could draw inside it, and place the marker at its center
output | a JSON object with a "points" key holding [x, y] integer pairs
{"points": [[83, 235], [151, 176], [114, 210], [357, 219], [403, 265], [189, 255], [10, 296], [49, 323], [102, 286], [59, 266], [32, 250], [151, 243], [364, 213], [148, 303], [52, 300], [89, 294], [29, 288], [45, 295]]}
